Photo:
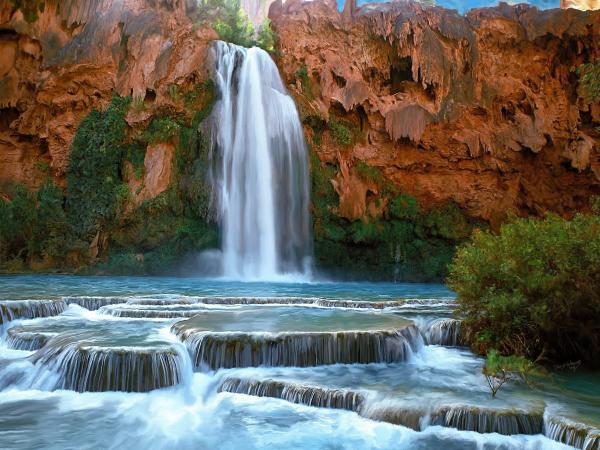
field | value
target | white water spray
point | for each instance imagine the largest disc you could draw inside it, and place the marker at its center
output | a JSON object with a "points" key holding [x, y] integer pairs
{"points": [[260, 169]]}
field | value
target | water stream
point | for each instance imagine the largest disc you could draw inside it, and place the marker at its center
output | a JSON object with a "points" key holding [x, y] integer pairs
{"points": [[260, 169], [163, 363]]}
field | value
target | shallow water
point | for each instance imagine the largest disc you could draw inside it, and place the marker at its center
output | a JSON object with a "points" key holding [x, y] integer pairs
{"points": [[192, 413]]}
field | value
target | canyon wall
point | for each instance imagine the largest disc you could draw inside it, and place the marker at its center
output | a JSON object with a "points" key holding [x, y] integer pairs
{"points": [[481, 110], [422, 124], [72, 57]]}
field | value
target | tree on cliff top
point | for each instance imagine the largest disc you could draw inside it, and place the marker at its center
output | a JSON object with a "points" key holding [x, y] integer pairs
{"points": [[533, 289]]}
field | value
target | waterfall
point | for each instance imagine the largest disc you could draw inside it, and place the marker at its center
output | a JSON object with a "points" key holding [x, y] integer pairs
{"points": [[260, 168]]}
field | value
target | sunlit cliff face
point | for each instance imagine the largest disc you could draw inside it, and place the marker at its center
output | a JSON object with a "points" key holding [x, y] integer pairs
{"points": [[580, 4]]}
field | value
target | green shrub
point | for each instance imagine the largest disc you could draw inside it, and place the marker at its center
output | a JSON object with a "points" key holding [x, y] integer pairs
{"points": [[52, 233], [94, 168], [266, 37], [173, 91], [135, 153], [234, 26], [161, 129], [403, 207], [302, 75], [340, 132], [533, 289], [369, 173], [17, 223], [499, 370], [33, 225], [407, 244], [589, 80]]}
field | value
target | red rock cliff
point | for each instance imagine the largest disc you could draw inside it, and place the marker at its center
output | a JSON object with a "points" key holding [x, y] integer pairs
{"points": [[481, 109], [72, 58]]}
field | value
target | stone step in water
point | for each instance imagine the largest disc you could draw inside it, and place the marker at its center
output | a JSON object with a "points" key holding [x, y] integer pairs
{"points": [[81, 351], [446, 332], [20, 338], [570, 432], [29, 309], [89, 368], [150, 313], [292, 336], [227, 350], [93, 303], [461, 417], [245, 300], [296, 393]]}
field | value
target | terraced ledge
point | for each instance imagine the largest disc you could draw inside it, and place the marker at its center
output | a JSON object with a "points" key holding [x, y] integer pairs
{"points": [[88, 368], [215, 350], [446, 332], [19, 338], [572, 433], [311, 301], [466, 418], [29, 309], [144, 313], [295, 393], [94, 303]]}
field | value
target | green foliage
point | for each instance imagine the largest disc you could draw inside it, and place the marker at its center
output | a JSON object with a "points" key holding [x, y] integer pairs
{"points": [[135, 153], [407, 244], [340, 132], [589, 80], [29, 8], [161, 129], [403, 207], [33, 225], [499, 370], [234, 26], [43, 167], [533, 289], [151, 239], [138, 103], [174, 93], [302, 75], [369, 173], [17, 222], [266, 37], [94, 168]]}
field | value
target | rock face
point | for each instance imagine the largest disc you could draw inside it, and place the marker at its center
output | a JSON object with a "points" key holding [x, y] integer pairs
{"points": [[72, 58], [481, 110]]}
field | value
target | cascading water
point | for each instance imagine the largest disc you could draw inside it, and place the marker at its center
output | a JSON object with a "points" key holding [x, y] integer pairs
{"points": [[260, 168]]}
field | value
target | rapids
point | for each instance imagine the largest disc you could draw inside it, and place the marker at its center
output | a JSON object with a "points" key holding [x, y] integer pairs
{"points": [[165, 363]]}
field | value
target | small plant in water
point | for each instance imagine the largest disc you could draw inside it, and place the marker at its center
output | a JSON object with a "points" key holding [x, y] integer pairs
{"points": [[499, 370]]}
